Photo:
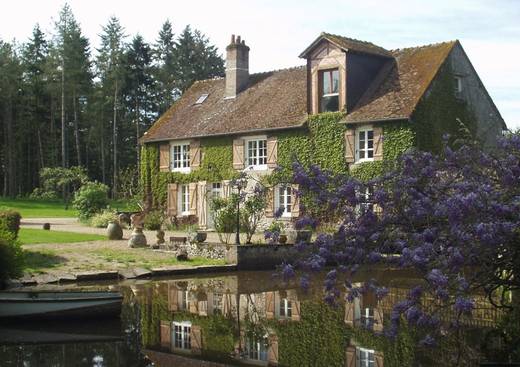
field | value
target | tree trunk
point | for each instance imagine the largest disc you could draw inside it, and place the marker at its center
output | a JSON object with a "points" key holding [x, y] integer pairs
{"points": [[40, 149], [137, 115], [76, 128], [103, 159], [114, 182], [63, 136], [11, 169]]}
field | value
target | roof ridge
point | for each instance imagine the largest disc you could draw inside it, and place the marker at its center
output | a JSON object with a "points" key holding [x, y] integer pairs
{"points": [[436, 44], [259, 73], [352, 39]]}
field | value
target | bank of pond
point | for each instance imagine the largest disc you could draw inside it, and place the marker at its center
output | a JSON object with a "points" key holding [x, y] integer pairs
{"points": [[249, 318]]}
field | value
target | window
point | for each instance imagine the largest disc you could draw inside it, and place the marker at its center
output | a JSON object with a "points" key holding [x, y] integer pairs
{"points": [[365, 145], [367, 317], [183, 300], [365, 203], [458, 84], [216, 189], [180, 154], [256, 153], [184, 200], [329, 94], [181, 335], [285, 308], [256, 348], [283, 200], [217, 303], [364, 357], [202, 98]]}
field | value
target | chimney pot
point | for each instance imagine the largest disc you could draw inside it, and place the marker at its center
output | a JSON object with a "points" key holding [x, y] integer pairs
{"points": [[232, 38], [238, 39]]}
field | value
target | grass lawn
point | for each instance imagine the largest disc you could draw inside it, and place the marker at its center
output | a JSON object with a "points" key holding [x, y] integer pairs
{"points": [[32, 208], [28, 236]]}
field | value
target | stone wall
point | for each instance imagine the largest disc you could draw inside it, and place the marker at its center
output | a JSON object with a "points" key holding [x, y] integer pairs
{"points": [[260, 257], [206, 250]]}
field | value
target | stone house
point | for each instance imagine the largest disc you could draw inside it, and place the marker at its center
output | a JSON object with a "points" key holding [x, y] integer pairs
{"points": [[410, 96]]}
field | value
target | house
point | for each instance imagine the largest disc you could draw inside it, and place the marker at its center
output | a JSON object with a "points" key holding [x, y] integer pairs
{"points": [[410, 96]]}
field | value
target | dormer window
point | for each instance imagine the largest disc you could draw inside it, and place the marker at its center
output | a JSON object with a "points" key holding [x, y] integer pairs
{"points": [[329, 96]]}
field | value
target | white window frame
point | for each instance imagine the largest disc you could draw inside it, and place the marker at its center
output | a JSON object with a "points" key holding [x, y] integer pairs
{"points": [[285, 308], [368, 359], [257, 150], [182, 164], [367, 317], [183, 200], [285, 200], [256, 349], [184, 342], [367, 205], [365, 130], [458, 84]]}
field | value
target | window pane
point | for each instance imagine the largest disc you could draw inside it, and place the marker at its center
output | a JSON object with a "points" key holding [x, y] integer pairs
{"points": [[335, 81], [326, 82], [330, 104]]}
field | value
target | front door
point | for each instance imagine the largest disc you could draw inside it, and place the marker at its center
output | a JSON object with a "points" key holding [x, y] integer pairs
{"points": [[214, 191]]}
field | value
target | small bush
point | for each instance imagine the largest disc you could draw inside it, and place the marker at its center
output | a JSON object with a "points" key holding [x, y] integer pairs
{"points": [[101, 220], [11, 257], [40, 194], [153, 221], [10, 222], [90, 199]]}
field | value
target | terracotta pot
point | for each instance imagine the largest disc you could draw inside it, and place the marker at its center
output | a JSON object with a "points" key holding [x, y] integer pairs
{"points": [[114, 231]]}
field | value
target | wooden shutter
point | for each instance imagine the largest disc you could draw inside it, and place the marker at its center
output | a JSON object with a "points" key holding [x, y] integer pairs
{"points": [[295, 209], [226, 189], [349, 313], [238, 154], [173, 304], [194, 154], [172, 199], [351, 356], [164, 157], [192, 187], [272, 152], [350, 145], [269, 305], [166, 334], [295, 310], [379, 359], [378, 319], [378, 143], [269, 209], [196, 339], [272, 350]]}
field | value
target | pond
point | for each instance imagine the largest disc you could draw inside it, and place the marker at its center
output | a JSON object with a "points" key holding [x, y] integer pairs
{"points": [[243, 318]]}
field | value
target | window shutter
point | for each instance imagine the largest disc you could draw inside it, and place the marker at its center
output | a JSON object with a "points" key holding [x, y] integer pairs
{"points": [[192, 187], [295, 310], [238, 154], [379, 359], [269, 305], [194, 154], [351, 356], [164, 157], [173, 305], [349, 313], [272, 351], [166, 334], [172, 199], [196, 339], [269, 209], [295, 210], [272, 152], [226, 189], [378, 319], [350, 145], [378, 143]]}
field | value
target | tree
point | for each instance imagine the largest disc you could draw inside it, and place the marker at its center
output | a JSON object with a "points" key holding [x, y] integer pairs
{"points": [[165, 67], [452, 218]]}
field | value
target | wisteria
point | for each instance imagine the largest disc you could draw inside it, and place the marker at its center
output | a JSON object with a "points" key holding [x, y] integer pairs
{"points": [[452, 218]]}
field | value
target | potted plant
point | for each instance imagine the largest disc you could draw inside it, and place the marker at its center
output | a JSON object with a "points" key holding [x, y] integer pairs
{"points": [[276, 233]]}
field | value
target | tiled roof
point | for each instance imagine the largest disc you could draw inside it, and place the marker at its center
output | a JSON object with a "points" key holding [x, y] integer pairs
{"points": [[278, 99], [273, 100], [401, 83], [346, 43]]}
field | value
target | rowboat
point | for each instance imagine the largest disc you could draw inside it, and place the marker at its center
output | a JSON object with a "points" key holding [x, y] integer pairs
{"points": [[58, 305]]}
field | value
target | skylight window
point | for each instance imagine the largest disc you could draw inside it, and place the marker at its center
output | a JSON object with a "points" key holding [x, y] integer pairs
{"points": [[202, 98]]}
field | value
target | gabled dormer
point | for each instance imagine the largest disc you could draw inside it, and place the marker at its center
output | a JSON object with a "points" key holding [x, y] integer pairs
{"points": [[340, 70]]}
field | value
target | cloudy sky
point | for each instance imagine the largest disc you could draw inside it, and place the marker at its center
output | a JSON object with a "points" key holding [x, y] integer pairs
{"points": [[278, 30]]}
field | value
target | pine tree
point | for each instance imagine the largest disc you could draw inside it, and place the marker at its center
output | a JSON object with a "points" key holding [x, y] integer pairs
{"points": [[165, 68]]}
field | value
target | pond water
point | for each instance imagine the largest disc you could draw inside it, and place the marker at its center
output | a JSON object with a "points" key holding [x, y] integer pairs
{"points": [[244, 318]]}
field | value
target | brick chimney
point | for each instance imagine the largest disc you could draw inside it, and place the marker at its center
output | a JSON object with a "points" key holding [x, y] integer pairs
{"points": [[237, 67]]}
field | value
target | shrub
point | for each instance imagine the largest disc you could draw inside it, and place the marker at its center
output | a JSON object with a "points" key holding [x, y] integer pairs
{"points": [[40, 194], [225, 216], [90, 199], [101, 220], [153, 221], [11, 256], [10, 221]]}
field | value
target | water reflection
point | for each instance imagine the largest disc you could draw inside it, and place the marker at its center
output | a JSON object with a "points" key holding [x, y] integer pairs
{"points": [[249, 318]]}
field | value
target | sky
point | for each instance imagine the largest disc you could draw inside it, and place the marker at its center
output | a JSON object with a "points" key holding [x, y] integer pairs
{"points": [[277, 31]]}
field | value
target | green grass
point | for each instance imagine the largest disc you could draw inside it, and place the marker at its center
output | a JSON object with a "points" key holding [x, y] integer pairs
{"points": [[33, 208], [28, 236], [136, 258], [41, 261]]}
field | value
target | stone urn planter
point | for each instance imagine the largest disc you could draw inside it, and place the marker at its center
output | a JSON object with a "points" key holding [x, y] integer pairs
{"points": [[160, 237], [282, 239], [201, 236], [303, 235], [137, 239], [114, 231]]}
